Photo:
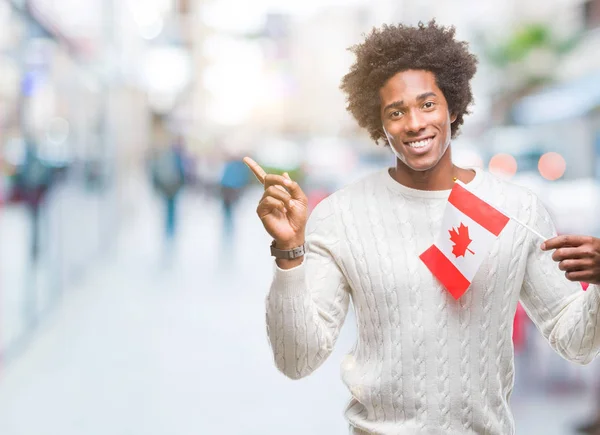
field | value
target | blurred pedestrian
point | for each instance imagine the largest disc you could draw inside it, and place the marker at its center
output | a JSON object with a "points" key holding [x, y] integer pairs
{"points": [[168, 176], [425, 361], [234, 180], [32, 181]]}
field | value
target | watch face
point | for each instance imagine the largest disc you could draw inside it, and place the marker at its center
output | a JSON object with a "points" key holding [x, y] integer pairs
{"points": [[298, 252]]}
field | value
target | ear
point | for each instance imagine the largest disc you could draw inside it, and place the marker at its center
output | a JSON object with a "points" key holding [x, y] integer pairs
{"points": [[453, 118]]}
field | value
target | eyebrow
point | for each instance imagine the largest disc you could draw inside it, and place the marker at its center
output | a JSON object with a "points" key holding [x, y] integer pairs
{"points": [[399, 104]]}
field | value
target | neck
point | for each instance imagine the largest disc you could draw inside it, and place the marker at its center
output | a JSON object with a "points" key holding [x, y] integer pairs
{"points": [[440, 177]]}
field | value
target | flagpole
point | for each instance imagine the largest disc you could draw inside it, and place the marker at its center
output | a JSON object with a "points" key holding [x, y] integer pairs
{"points": [[529, 228]]}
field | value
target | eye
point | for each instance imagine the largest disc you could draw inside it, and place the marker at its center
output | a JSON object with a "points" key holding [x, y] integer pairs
{"points": [[395, 114], [429, 105]]}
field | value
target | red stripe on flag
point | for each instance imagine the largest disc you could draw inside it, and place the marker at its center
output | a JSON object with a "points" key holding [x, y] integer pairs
{"points": [[477, 209], [443, 269]]}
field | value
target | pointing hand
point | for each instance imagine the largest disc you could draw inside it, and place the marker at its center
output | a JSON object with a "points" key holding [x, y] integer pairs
{"points": [[283, 208]]}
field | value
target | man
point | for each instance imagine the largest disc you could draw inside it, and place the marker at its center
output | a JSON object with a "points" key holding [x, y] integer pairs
{"points": [[423, 362]]}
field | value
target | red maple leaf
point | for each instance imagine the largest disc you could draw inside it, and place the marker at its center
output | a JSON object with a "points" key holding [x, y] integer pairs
{"points": [[461, 240]]}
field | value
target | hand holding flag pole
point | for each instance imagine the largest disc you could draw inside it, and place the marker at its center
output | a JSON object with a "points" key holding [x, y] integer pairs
{"points": [[577, 256], [471, 225]]}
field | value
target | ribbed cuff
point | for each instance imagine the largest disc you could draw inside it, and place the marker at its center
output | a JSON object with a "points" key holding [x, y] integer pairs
{"points": [[289, 282]]}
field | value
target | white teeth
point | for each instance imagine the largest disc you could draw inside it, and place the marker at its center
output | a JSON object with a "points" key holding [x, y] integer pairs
{"points": [[419, 144]]}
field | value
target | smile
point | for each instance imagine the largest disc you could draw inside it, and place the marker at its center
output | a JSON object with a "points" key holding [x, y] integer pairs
{"points": [[419, 143]]}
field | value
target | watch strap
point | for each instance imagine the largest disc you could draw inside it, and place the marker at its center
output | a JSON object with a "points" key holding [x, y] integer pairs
{"points": [[288, 254]]}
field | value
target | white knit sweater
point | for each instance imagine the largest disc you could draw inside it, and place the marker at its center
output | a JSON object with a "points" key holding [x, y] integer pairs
{"points": [[423, 362]]}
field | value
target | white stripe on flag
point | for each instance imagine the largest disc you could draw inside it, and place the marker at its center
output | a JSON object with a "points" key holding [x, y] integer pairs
{"points": [[481, 241]]}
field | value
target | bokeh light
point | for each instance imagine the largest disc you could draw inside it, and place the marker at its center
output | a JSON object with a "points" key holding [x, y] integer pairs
{"points": [[467, 158], [552, 166], [503, 165]]}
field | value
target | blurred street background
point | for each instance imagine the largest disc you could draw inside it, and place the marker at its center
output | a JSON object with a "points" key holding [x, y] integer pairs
{"points": [[133, 269]]}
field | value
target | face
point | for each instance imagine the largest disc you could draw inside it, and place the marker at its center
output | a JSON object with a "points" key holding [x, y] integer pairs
{"points": [[416, 119]]}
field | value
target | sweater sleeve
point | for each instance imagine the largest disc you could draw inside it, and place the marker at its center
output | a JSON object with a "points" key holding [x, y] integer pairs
{"points": [[307, 304], [566, 315]]}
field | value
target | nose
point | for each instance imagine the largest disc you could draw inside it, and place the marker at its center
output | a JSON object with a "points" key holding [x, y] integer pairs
{"points": [[415, 122]]}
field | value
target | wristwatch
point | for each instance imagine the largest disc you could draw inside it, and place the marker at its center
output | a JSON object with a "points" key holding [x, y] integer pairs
{"points": [[287, 254]]}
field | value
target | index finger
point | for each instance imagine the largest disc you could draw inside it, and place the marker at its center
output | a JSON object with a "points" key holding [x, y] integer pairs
{"points": [[256, 169], [564, 241]]}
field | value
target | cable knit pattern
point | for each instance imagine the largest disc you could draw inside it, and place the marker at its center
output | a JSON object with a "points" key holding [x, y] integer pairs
{"points": [[397, 369], [565, 315], [465, 359], [377, 312], [363, 243], [394, 404], [371, 327], [412, 263], [488, 299], [275, 321], [508, 306], [443, 369]]}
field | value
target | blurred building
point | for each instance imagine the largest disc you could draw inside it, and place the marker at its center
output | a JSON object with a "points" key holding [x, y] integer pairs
{"points": [[80, 83]]}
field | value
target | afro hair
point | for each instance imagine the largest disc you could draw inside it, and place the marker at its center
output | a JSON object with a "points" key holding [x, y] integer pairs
{"points": [[392, 49]]}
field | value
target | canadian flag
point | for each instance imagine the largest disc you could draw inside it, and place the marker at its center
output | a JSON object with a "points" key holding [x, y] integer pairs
{"points": [[469, 229]]}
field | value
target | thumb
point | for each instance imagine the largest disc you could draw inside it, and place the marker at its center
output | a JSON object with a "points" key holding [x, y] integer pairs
{"points": [[286, 175]]}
